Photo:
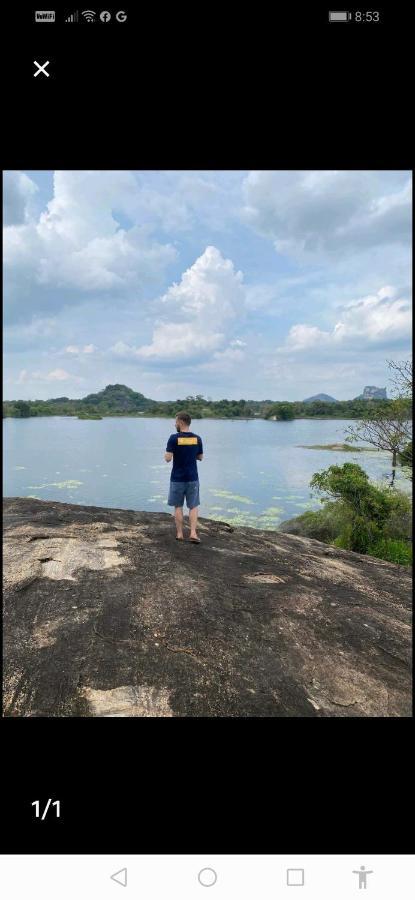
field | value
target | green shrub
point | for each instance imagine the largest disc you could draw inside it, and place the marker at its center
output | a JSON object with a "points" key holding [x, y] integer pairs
{"points": [[368, 506], [322, 524], [396, 551], [399, 521], [364, 517], [405, 456]]}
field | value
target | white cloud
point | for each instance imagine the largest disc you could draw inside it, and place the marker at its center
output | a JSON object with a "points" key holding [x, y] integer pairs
{"points": [[224, 361], [18, 191], [120, 348], [87, 348], [171, 341], [208, 297], [179, 201], [312, 212], [61, 375], [209, 287], [93, 263], [180, 340], [375, 319], [55, 375], [303, 337], [77, 245]]}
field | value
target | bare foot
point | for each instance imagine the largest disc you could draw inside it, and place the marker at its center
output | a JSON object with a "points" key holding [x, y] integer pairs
{"points": [[179, 536]]}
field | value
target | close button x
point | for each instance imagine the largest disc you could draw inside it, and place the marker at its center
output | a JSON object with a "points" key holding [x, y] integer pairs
{"points": [[41, 68]]}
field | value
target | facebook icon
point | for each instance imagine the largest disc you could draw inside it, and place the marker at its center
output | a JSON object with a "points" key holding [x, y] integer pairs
{"points": [[105, 16]]}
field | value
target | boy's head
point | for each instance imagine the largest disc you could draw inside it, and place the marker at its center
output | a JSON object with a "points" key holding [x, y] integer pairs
{"points": [[183, 421]]}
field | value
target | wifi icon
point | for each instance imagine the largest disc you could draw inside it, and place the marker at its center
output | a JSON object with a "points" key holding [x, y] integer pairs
{"points": [[89, 15]]}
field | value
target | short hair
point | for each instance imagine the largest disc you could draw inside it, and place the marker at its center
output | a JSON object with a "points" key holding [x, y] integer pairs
{"points": [[184, 417]]}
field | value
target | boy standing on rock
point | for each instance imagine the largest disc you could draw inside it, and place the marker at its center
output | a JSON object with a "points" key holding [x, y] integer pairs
{"points": [[185, 448]]}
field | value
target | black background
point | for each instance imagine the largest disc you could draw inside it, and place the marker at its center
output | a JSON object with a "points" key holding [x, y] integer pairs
{"points": [[187, 88]]}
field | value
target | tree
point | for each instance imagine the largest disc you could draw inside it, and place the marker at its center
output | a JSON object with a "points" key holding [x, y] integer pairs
{"points": [[369, 507], [285, 412], [282, 411], [22, 408], [388, 426], [401, 378], [405, 457]]}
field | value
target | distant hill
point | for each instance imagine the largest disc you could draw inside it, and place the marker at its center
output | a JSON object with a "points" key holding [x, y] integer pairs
{"points": [[324, 397], [117, 397], [372, 393]]}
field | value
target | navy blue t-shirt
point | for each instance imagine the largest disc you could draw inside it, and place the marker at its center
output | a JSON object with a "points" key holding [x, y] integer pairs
{"points": [[185, 447]]}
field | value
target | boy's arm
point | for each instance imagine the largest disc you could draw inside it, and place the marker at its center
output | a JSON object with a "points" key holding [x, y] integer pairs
{"points": [[168, 456]]}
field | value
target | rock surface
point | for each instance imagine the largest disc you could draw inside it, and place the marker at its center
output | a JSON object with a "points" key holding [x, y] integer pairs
{"points": [[371, 392], [106, 614]]}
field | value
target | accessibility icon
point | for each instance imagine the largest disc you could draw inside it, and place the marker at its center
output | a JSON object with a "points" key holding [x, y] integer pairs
{"points": [[362, 873]]}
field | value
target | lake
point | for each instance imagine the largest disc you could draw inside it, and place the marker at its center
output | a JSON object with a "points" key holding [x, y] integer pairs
{"points": [[253, 473]]}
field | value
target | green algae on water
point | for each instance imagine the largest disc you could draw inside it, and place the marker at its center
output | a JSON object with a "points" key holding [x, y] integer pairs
{"points": [[230, 496]]}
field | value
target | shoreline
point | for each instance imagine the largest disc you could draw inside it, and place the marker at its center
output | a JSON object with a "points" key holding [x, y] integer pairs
{"points": [[194, 418]]}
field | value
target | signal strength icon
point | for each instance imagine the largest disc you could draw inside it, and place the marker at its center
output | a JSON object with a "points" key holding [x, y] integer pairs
{"points": [[73, 17], [89, 15]]}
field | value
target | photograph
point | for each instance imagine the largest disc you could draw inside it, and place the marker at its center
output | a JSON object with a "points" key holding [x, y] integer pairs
{"points": [[207, 443]]}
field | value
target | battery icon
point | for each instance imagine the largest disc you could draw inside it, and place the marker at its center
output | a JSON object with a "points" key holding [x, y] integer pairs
{"points": [[339, 16]]}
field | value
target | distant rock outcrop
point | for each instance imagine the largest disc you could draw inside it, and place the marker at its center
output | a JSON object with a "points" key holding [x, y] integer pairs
{"points": [[106, 614], [324, 397], [371, 392]]}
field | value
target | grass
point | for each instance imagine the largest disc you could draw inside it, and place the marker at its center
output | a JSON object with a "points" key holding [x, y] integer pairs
{"points": [[395, 551]]}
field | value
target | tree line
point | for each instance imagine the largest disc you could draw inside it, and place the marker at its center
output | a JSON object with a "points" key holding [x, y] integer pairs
{"points": [[197, 406]]}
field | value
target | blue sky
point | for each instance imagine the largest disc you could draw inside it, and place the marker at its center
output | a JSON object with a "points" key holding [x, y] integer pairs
{"points": [[263, 285]]}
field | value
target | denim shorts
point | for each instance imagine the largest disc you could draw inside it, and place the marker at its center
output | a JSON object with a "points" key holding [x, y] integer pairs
{"points": [[181, 489]]}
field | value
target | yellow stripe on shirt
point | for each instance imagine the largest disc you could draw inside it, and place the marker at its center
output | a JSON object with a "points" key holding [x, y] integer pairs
{"points": [[189, 440]]}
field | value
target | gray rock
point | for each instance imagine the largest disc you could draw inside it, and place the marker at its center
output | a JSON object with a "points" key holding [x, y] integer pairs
{"points": [[106, 614], [371, 392]]}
